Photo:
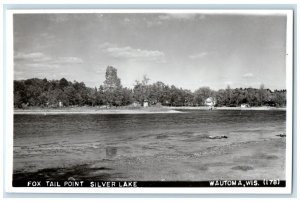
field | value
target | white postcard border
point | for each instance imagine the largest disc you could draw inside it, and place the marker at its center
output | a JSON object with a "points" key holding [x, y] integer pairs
{"points": [[8, 139]]}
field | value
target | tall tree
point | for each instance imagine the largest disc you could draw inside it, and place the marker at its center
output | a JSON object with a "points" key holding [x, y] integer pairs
{"points": [[201, 95], [112, 81], [63, 83], [112, 87], [262, 94], [228, 95], [142, 90]]}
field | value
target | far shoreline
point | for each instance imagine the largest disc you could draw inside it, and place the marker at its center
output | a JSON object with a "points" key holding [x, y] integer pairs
{"points": [[122, 110], [262, 108]]}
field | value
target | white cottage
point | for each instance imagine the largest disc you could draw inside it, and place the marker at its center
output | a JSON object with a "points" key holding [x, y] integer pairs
{"points": [[145, 103], [245, 105], [210, 102]]}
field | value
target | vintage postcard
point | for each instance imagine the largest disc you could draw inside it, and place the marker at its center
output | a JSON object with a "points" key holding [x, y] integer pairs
{"points": [[149, 101]]}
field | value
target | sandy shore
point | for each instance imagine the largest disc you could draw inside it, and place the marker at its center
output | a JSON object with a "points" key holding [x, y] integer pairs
{"points": [[95, 111], [149, 110], [264, 108]]}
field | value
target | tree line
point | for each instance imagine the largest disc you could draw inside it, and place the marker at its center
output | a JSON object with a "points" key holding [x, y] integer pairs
{"points": [[49, 93]]}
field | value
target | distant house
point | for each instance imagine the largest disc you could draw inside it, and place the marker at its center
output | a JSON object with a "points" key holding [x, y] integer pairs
{"points": [[136, 104], [245, 105], [210, 102], [145, 103]]}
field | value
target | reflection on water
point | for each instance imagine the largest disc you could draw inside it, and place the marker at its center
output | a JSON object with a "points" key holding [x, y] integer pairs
{"points": [[111, 152], [69, 140]]}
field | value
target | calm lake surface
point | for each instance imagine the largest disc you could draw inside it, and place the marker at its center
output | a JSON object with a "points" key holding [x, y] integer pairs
{"points": [[152, 146]]}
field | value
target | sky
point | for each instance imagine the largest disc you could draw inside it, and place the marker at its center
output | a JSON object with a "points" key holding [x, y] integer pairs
{"points": [[188, 50]]}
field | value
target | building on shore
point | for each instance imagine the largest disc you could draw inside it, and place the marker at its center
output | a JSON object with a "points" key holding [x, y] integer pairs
{"points": [[210, 102], [245, 105], [145, 103], [60, 104]]}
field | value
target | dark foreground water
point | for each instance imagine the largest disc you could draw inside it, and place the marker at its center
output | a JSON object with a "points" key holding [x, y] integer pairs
{"points": [[151, 146]]}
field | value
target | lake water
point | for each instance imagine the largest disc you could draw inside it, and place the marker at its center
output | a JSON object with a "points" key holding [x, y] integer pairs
{"points": [[150, 146]]}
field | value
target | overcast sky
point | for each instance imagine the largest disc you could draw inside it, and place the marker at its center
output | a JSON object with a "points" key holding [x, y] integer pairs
{"points": [[185, 50]]}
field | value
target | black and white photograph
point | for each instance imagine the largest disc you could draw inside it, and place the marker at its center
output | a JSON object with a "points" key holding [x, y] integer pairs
{"points": [[152, 99]]}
